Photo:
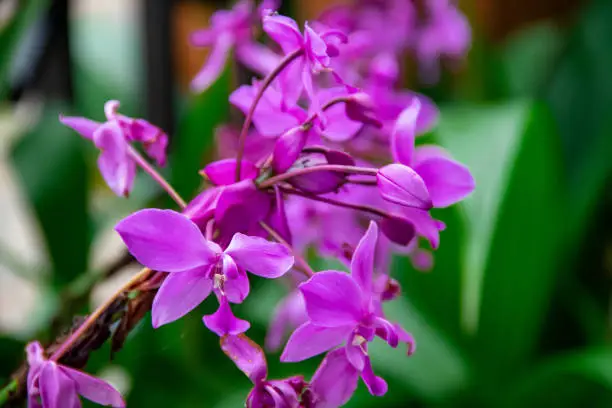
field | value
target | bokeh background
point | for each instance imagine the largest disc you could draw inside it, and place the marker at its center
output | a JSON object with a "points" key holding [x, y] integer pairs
{"points": [[516, 312]]}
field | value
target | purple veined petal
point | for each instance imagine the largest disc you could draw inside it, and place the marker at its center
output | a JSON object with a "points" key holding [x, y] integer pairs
{"points": [[402, 185], [257, 57], [447, 181], [236, 284], [165, 240], [288, 148], [223, 322], [404, 132], [247, 355], [260, 256], [115, 165], [179, 294], [284, 31], [333, 299], [83, 126], [288, 314], [95, 389], [386, 331], [398, 229], [213, 67], [57, 390], [335, 381], [223, 172], [278, 218], [362, 264], [376, 385], [309, 340]]}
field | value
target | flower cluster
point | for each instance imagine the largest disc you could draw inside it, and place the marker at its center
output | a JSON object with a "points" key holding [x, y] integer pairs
{"points": [[325, 159]]}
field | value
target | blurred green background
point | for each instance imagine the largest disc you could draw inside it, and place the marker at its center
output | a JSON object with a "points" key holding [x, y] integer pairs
{"points": [[516, 312]]}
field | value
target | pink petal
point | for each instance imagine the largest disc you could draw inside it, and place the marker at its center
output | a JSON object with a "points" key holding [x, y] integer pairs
{"points": [[447, 181], [223, 172], [247, 355], [85, 127], [203, 38], [340, 127], [355, 354], [257, 57], [115, 165], [309, 340], [180, 294], [333, 299], [236, 286], [165, 240], [57, 390], [240, 206], [278, 218], [335, 380], [376, 385], [401, 185], [288, 314], [154, 140], [213, 67], [425, 225], [284, 31], [95, 389], [288, 148], [362, 264], [260, 256], [404, 132], [223, 322], [398, 229], [386, 331]]}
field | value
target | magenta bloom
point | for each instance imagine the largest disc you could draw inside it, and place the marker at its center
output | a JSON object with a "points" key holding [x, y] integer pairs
{"points": [[343, 308], [113, 139], [334, 382], [251, 360], [167, 241], [52, 385]]}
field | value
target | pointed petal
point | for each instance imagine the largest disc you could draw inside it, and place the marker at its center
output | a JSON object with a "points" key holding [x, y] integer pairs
{"points": [[247, 355], [355, 355], [288, 148], [236, 285], [85, 127], [362, 264], [386, 331], [333, 299], [278, 217], [213, 67], [165, 240], [223, 172], [223, 322], [57, 390], [95, 389], [401, 185], [115, 165], [309, 340], [260, 256], [404, 132], [335, 380], [284, 31], [154, 140], [376, 385], [447, 181], [180, 294]]}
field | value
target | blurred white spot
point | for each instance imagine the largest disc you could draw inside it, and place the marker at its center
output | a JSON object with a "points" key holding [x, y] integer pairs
{"points": [[118, 377], [106, 289]]}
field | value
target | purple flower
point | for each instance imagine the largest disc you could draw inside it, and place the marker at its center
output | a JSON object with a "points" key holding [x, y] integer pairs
{"points": [[52, 385], [334, 382], [288, 314], [343, 308], [401, 185], [167, 241], [251, 360], [113, 139]]}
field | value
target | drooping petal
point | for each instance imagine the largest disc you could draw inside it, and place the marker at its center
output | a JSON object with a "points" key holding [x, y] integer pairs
{"points": [[278, 217], [386, 331], [447, 181], [236, 283], [284, 31], [260, 256], [95, 389], [404, 132], [165, 240], [85, 127], [362, 264], [223, 322], [309, 340], [223, 172], [401, 185], [154, 140], [376, 385], [288, 148], [335, 380], [57, 390], [315, 46], [115, 165], [180, 294], [333, 299], [213, 67], [247, 355]]}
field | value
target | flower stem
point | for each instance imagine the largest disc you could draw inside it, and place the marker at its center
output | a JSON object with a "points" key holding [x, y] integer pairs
{"points": [[6, 391], [301, 261], [249, 117], [159, 179], [324, 167]]}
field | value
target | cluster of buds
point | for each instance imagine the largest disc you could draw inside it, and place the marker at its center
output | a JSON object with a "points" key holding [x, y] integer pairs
{"points": [[326, 160]]}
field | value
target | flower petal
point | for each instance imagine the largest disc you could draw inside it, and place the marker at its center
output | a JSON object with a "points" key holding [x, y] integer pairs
{"points": [[85, 127], [240, 206], [165, 240], [288, 148], [401, 185], [223, 322], [284, 31], [95, 389], [333, 299], [154, 140], [260, 256], [335, 380], [115, 165], [236, 283], [247, 355], [278, 217], [223, 172], [180, 294], [404, 132], [213, 67], [362, 264], [288, 314], [308, 340], [398, 229], [57, 390], [386, 331], [376, 385], [257, 57]]}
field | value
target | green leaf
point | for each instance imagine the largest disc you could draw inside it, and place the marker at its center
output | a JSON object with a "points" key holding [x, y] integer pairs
{"points": [[52, 168]]}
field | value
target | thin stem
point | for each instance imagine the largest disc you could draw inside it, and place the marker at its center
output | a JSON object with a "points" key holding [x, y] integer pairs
{"points": [[249, 117], [91, 319], [159, 179], [326, 105], [301, 261], [324, 167]]}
